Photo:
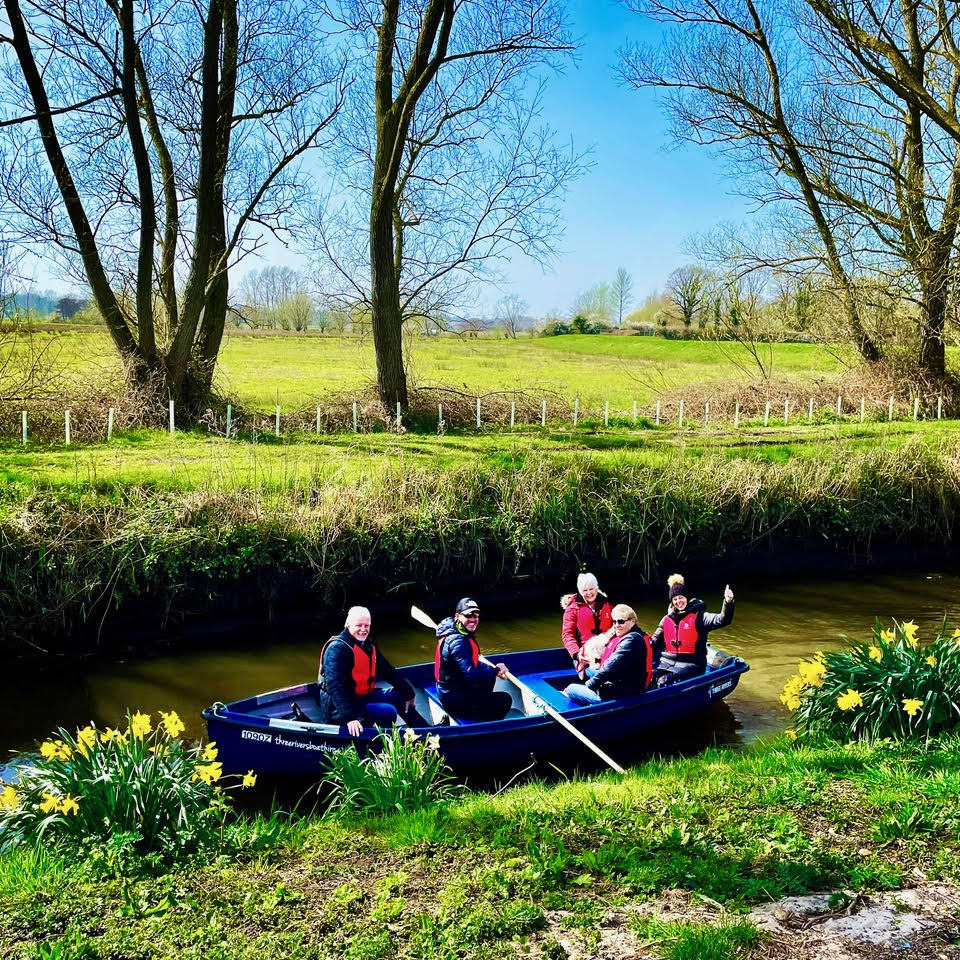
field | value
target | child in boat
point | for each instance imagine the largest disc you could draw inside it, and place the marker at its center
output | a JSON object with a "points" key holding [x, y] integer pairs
{"points": [[626, 664], [464, 682], [681, 638]]}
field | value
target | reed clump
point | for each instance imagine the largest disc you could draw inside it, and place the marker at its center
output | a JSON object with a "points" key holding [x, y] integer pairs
{"points": [[67, 554]]}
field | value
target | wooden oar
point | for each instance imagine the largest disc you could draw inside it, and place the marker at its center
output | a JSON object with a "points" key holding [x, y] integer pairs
{"points": [[427, 621]]}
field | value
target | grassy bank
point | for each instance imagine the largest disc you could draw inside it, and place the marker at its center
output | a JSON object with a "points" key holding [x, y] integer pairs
{"points": [[82, 532], [659, 863]]}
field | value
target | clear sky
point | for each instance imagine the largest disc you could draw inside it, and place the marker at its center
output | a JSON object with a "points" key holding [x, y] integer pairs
{"points": [[643, 197]]}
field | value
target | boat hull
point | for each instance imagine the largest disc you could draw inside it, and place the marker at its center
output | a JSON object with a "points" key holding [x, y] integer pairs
{"points": [[256, 734]]}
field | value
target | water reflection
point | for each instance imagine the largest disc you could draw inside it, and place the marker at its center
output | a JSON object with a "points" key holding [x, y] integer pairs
{"points": [[775, 625]]}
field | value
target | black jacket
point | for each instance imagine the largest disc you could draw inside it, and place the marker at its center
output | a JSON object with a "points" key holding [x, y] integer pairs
{"points": [[705, 622], [625, 673], [337, 696]]}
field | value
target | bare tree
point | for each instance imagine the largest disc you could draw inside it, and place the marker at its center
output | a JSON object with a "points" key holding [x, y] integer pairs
{"points": [[142, 119], [511, 313], [595, 304], [687, 288], [622, 293], [445, 169]]}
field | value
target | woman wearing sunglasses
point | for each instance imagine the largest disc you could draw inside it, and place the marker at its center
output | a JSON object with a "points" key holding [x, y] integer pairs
{"points": [[626, 664]]}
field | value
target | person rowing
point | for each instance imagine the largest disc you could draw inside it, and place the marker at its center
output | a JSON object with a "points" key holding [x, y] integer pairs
{"points": [[350, 666], [464, 681], [681, 638]]}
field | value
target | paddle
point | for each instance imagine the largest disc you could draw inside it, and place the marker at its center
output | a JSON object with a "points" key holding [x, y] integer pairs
{"points": [[427, 621]]}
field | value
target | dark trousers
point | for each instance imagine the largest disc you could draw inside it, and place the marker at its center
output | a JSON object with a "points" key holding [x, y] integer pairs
{"points": [[478, 706], [382, 707], [673, 671]]}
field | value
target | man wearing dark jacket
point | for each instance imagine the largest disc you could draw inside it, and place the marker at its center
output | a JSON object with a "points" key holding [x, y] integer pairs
{"points": [[625, 667], [681, 638], [464, 682], [350, 666]]}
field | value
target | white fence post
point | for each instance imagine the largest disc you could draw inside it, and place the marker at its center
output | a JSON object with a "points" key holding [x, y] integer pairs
{"points": [[66, 427], [939, 407], [658, 413], [399, 421], [766, 414], [810, 412], [513, 413], [354, 416], [680, 415], [839, 402], [109, 424], [706, 414], [736, 415], [276, 426], [173, 421], [576, 410], [478, 413], [440, 414], [916, 407], [543, 413], [862, 408], [318, 421], [23, 425], [786, 411], [229, 419], [606, 413], [890, 408]]}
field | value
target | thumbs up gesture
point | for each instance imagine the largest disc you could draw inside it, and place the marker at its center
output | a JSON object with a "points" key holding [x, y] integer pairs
{"points": [[727, 594]]}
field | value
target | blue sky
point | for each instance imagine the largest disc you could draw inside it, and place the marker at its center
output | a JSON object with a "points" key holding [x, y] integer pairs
{"points": [[642, 198]]}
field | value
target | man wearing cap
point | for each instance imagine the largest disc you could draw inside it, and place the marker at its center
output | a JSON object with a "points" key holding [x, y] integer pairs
{"points": [[464, 683]]}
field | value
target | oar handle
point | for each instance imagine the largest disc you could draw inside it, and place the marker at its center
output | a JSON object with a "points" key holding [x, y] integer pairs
{"points": [[559, 717]]}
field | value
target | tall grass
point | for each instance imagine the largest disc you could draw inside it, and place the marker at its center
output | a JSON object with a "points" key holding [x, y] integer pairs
{"points": [[65, 553]]}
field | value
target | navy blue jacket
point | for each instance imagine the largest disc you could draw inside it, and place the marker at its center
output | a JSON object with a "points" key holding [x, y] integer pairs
{"points": [[625, 673], [459, 678], [337, 697]]}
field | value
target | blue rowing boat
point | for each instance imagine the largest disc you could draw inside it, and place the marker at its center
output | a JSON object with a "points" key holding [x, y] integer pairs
{"points": [[259, 733]]}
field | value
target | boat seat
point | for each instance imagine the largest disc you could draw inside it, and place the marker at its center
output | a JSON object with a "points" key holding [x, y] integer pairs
{"points": [[434, 709]]}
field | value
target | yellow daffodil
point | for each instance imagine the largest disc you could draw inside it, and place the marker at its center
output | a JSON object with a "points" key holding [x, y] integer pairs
{"points": [[886, 636], [932, 661], [160, 749], [172, 723], [48, 749], [249, 779], [64, 751], [876, 654], [812, 672], [792, 692], [209, 772], [849, 700], [112, 736], [68, 805], [433, 742], [49, 803], [9, 799], [909, 630], [955, 636], [86, 738], [912, 707], [140, 724], [210, 751], [791, 734]]}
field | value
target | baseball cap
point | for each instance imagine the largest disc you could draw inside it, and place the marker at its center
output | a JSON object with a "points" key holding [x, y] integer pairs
{"points": [[468, 606]]}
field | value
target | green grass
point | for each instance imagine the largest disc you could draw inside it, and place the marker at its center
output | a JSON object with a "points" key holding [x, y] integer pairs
{"points": [[262, 371], [513, 875]]}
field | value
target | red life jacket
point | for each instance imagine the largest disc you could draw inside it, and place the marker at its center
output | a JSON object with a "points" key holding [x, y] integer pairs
{"points": [[438, 655], [364, 670], [680, 639], [614, 642]]}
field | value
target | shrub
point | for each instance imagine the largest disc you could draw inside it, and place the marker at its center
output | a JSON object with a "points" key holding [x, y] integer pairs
{"points": [[115, 796], [893, 686], [406, 774]]}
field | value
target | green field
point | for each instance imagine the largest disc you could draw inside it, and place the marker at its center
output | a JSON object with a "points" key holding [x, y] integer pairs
{"points": [[293, 370]]}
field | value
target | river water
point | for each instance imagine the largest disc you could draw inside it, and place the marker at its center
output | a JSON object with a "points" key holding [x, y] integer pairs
{"points": [[775, 625]]}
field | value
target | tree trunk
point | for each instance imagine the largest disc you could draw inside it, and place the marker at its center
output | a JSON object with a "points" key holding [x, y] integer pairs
{"points": [[931, 360], [385, 308]]}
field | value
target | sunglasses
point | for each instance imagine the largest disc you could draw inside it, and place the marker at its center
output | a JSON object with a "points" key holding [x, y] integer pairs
{"points": [[471, 616], [620, 623]]}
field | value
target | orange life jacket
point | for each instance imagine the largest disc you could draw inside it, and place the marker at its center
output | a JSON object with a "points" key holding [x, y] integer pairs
{"points": [[364, 670]]}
